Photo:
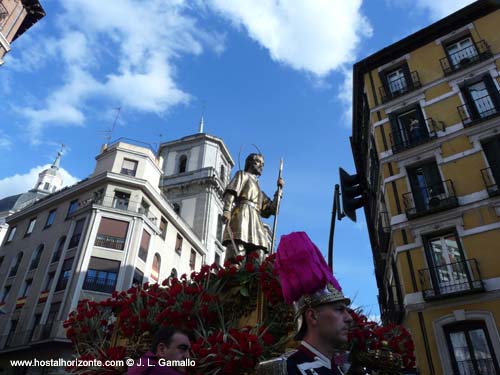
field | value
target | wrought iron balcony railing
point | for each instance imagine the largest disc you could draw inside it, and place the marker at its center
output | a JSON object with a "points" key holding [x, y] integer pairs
{"points": [[417, 137], [399, 87], [465, 57], [451, 279], [430, 199], [393, 314], [478, 110], [99, 285], [111, 242], [128, 172], [490, 179]]}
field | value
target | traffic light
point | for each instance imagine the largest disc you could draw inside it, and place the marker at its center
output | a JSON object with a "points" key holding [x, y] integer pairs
{"points": [[351, 189]]}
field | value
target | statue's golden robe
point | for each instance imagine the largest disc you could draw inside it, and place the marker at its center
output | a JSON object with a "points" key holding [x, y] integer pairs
{"points": [[250, 203]]}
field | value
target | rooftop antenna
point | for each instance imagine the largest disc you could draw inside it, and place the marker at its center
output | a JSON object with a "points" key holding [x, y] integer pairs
{"points": [[110, 132]]}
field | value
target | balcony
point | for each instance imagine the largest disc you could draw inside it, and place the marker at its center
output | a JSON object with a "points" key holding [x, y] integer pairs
{"points": [[452, 279], [399, 87], [465, 57], [110, 242], [384, 231], [393, 314], [99, 284], [17, 339], [122, 203], [478, 110], [430, 199], [489, 179], [413, 138]]}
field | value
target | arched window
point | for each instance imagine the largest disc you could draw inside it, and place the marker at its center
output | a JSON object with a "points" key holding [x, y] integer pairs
{"points": [[59, 249], [182, 163], [222, 173], [15, 266], [155, 270], [36, 258]]}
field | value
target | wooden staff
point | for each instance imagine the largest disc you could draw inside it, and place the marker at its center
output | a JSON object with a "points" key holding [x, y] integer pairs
{"points": [[275, 223]]}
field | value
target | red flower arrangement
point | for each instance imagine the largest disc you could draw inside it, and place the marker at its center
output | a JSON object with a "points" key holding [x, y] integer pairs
{"points": [[387, 348], [213, 303]]}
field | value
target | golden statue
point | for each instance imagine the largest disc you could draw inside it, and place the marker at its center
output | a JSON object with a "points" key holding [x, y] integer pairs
{"points": [[244, 204]]}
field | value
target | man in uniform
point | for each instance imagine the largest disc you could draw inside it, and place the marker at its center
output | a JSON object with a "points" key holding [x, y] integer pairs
{"points": [[321, 310], [244, 204]]}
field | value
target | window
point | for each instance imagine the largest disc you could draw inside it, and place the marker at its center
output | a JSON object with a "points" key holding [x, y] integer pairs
{"points": [[177, 208], [144, 209], [31, 226], [144, 247], [13, 325], [396, 81], [101, 275], [27, 287], [112, 234], [217, 259], [36, 258], [182, 163], [449, 271], [138, 278], [36, 321], [173, 273], [192, 260], [65, 274], [220, 228], [73, 206], [77, 233], [12, 232], [222, 173], [59, 249], [5, 293], [46, 329], [408, 129], [15, 267], [461, 52], [50, 218], [129, 167], [48, 282], [155, 270], [178, 244], [470, 349], [426, 184], [121, 200], [163, 227], [482, 100], [491, 175]]}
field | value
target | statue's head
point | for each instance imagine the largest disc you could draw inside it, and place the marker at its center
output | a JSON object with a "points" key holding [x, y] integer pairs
{"points": [[254, 164]]}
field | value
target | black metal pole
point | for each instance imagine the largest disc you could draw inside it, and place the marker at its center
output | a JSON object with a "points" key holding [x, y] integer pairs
{"points": [[335, 212]]}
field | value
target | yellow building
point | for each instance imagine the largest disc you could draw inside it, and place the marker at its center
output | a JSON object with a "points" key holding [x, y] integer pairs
{"points": [[426, 143]]}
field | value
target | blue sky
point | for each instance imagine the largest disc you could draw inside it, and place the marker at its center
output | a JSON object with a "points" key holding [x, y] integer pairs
{"points": [[272, 73]]}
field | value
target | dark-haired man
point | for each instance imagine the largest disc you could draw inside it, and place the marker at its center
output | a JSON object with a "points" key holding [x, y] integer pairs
{"points": [[169, 344], [244, 204]]}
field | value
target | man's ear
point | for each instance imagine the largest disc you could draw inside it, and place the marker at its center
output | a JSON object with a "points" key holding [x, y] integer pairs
{"points": [[310, 314]]}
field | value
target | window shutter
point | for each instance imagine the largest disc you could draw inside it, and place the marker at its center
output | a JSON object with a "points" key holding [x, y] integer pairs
{"points": [[102, 264], [113, 228], [492, 90], [396, 136]]}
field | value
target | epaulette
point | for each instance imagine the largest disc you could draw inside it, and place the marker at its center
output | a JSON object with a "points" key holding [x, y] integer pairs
{"points": [[275, 366]]}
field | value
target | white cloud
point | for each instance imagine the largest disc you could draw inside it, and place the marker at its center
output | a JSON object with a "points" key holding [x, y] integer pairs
{"points": [[140, 42], [5, 142], [441, 8], [21, 183], [345, 96], [316, 36]]}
